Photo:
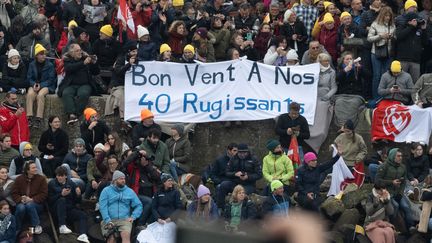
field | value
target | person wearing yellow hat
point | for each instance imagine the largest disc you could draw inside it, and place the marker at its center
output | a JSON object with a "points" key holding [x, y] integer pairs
{"points": [[178, 4], [319, 4], [396, 84], [410, 6], [277, 203], [72, 24], [165, 53], [188, 54], [331, 8], [42, 78], [106, 48], [93, 129]]}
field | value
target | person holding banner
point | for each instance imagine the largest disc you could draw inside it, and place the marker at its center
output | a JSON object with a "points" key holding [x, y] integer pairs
{"points": [[396, 84], [116, 98], [308, 180], [292, 123]]}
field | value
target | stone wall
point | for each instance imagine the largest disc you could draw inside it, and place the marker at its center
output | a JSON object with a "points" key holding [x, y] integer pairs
{"points": [[208, 139]]}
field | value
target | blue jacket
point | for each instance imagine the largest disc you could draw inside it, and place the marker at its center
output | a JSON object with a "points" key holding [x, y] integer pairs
{"points": [[116, 203], [78, 163], [10, 233], [48, 78]]}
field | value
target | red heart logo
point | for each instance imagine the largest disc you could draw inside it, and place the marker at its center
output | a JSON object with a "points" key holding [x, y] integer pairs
{"points": [[396, 119]]}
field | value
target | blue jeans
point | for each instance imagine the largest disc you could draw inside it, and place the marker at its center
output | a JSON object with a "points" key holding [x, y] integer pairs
{"points": [[66, 211], [32, 209], [379, 67], [175, 170], [403, 205], [373, 168]]}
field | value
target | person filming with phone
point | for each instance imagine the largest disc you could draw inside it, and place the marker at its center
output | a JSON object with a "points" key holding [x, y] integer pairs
{"points": [[396, 84]]}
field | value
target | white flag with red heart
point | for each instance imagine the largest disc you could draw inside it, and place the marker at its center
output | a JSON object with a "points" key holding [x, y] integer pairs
{"points": [[399, 123]]}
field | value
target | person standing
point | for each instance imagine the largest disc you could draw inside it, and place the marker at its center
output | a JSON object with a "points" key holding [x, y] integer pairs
{"points": [[351, 144]]}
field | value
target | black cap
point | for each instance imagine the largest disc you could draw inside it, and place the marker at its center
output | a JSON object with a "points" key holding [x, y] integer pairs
{"points": [[410, 16], [349, 125], [243, 147]]}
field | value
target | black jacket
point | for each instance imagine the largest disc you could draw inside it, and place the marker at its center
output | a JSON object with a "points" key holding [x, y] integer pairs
{"points": [[55, 189], [94, 136], [409, 43], [241, 23], [249, 165], [77, 73], [285, 122], [309, 179], [73, 11], [14, 78], [275, 203], [299, 29], [418, 168], [141, 131], [248, 210], [120, 69], [107, 51], [218, 169], [59, 139], [165, 203], [349, 83]]}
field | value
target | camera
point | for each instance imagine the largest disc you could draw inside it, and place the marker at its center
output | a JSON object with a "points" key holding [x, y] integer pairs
{"points": [[420, 22], [149, 158]]}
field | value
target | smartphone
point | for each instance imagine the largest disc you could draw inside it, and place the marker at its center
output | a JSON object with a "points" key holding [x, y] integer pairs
{"points": [[249, 36]]}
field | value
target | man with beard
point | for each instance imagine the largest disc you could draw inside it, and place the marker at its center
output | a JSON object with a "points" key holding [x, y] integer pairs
{"points": [[242, 169], [121, 66], [141, 130], [26, 45], [119, 207], [156, 149], [147, 50], [13, 120]]}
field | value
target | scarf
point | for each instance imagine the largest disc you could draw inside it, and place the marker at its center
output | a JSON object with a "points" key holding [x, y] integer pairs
{"points": [[14, 108], [5, 221], [323, 69], [12, 66], [235, 214]]}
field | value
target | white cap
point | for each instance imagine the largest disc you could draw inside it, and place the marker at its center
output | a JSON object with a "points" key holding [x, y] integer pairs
{"points": [[287, 14], [142, 31], [12, 53], [292, 55]]}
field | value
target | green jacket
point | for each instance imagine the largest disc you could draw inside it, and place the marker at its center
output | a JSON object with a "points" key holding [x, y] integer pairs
{"points": [[160, 154], [279, 166], [180, 151], [390, 171], [93, 173], [6, 156]]}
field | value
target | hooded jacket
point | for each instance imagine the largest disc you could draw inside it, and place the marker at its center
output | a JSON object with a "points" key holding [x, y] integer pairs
{"points": [[375, 205], [27, 43], [222, 37], [78, 163], [279, 166], [403, 80], [116, 203], [16, 126], [390, 171], [180, 151], [17, 164]]}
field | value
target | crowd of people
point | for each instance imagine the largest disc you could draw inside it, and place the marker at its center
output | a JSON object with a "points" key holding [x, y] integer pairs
{"points": [[375, 49]]}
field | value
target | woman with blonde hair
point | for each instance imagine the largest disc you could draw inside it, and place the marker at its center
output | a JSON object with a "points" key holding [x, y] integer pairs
{"points": [[238, 209], [381, 35], [177, 34]]}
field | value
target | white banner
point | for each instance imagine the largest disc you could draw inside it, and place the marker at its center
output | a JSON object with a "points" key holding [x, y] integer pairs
{"points": [[238, 90]]}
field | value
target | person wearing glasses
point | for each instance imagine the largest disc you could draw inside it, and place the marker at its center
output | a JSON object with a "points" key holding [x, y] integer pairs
{"points": [[310, 55]]}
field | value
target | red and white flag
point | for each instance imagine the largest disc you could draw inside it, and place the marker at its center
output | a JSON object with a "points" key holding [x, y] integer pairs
{"points": [[125, 16], [399, 123]]}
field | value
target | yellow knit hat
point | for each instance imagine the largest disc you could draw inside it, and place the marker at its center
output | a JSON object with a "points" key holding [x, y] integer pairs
{"points": [[327, 3], [164, 47], [396, 67], [177, 3], [189, 48], [328, 18], [316, 1], [409, 4], [107, 30], [28, 146], [72, 23], [39, 48], [344, 14], [276, 184]]}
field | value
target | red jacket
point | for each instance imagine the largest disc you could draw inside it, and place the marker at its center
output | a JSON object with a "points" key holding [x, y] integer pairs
{"points": [[16, 126], [328, 38]]}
